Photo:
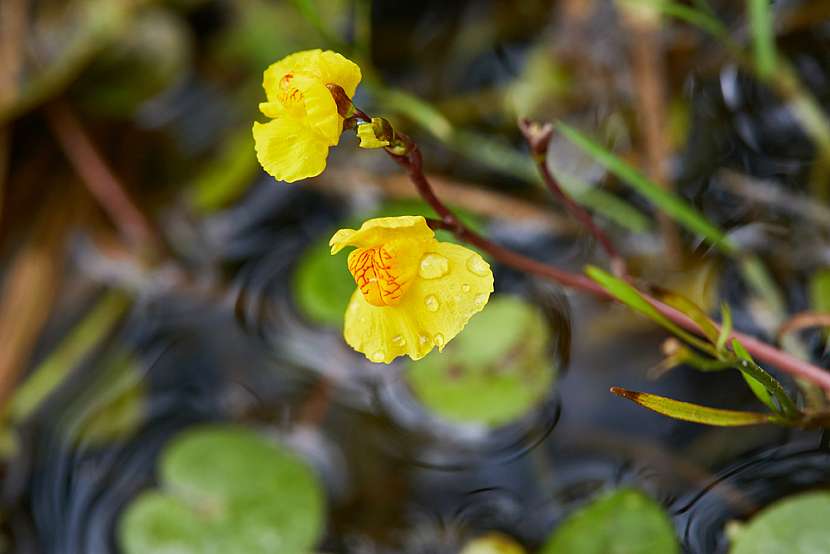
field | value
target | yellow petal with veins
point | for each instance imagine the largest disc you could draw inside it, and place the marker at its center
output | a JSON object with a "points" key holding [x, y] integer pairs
{"points": [[453, 284]]}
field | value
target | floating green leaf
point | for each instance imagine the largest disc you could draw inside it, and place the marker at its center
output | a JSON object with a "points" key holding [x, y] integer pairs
{"points": [[226, 489], [694, 413], [624, 521], [795, 525], [495, 371]]}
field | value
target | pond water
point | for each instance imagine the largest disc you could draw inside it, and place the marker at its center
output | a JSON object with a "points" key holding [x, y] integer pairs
{"points": [[422, 458]]}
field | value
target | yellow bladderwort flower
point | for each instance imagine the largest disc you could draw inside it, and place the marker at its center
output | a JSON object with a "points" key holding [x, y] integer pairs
{"points": [[304, 118], [413, 292]]}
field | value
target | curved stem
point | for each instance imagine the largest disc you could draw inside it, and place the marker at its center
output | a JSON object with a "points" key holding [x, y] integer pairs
{"points": [[413, 163]]}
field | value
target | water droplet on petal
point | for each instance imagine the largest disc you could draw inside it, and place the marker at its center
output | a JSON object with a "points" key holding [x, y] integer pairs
{"points": [[432, 303], [423, 339], [439, 340], [378, 356], [433, 266], [480, 300], [465, 288], [399, 340], [477, 265]]}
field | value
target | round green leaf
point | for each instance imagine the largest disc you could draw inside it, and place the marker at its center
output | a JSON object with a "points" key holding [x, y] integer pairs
{"points": [[624, 521], [240, 492], [162, 524], [795, 525], [494, 372]]}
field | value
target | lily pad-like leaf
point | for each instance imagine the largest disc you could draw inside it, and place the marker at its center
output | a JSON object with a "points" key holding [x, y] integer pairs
{"points": [[624, 521], [494, 372], [795, 525], [226, 489]]}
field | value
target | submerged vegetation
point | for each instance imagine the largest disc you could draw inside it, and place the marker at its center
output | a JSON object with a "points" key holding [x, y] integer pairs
{"points": [[387, 317]]}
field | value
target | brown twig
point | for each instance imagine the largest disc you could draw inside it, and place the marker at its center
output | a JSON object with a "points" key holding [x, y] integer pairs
{"points": [[108, 191], [538, 138]]}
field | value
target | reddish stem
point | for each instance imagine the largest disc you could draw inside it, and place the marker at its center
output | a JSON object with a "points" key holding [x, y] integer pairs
{"points": [[413, 163]]}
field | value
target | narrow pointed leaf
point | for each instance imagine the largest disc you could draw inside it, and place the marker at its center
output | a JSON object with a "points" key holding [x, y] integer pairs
{"points": [[695, 413], [762, 384], [632, 298], [693, 311], [725, 327]]}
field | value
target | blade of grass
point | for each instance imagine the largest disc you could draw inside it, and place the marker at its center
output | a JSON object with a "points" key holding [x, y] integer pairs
{"points": [[632, 298], [725, 327], [501, 157], [695, 413], [763, 37], [763, 384], [670, 203]]}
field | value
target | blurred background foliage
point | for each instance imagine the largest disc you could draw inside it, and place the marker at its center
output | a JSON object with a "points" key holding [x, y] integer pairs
{"points": [[155, 279]]}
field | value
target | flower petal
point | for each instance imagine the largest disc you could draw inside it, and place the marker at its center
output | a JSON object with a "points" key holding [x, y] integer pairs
{"points": [[289, 150], [320, 108], [444, 304], [430, 314], [334, 68], [298, 62], [380, 230], [328, 67]]}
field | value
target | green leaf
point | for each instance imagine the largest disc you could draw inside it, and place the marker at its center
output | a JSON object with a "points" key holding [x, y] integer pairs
{"points": [[498, 369], [820, 290], [112, 407], [624, 521], [758, 389], [502, 157], [71, 351], [670, 203], [794, 525], [632, 298], [763, 37], [226, 489], [695, 413], [693, 312], [763, 385], [725, 327]]}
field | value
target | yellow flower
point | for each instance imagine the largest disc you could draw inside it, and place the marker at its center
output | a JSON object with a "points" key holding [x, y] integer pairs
{"points": [[413, 292], [304, 119]]}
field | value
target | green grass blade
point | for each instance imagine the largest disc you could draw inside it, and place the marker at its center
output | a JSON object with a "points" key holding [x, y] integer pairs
{"points": [[501, 157], [694, 413], [680, 210], [725, 327], [632, 298], [764, 385], [763, 37]]}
